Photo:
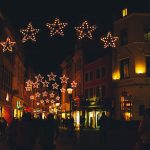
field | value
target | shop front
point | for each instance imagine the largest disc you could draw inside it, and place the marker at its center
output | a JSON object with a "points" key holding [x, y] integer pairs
{"points": [[17, 105]]}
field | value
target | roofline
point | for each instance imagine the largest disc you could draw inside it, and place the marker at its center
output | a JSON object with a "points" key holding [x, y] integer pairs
{"points": [[130, 16]]}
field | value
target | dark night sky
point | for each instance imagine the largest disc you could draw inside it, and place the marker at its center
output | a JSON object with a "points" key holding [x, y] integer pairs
{"points": [[47, 53]]}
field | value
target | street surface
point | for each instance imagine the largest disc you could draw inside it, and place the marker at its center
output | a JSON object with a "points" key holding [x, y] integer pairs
{"points": [[89, 140]]}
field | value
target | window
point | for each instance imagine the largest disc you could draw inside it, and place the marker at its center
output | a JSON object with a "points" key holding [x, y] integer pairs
{"points": [[86, 77], [91, 75], [103, 72], [86, 93], [123, 37], [97, 91], [147, 32], [103, 90], [124, 68], [91, 92], [148, 66], [98, 73], [124, 12]]}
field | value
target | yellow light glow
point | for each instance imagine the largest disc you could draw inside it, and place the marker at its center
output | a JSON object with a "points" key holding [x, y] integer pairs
{"points": [[116, 75], [140, 68], [63, 115], [127, 116], [124, 12]]}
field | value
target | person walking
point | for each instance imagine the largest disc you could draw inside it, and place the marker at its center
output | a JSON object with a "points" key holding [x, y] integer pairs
{"points": [[144, 131], [104, 124], [25, 133], [49, 133]]}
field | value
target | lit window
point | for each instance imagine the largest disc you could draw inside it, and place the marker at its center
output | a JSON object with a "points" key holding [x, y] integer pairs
{"points": [[124, 12], [147, 32], [124, 68]]}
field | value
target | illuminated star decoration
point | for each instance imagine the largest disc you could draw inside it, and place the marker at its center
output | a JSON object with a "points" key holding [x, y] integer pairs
{"points": [[39, 78], [64, 79], [109, 40], [85, 30], [37, 103], [47, 100], [52, 76], [35, 85], [63, 90], [37, 94], [29, 83], [57, 98], [45, 83], [45, 93], [52, 95], [73, 84], [29, 33], [42, 101], [55, 86], [57, 27], [7, 45]]}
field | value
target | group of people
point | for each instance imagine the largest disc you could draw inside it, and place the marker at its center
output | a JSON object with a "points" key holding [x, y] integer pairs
{"points": [[143, 142], [26, 133]]}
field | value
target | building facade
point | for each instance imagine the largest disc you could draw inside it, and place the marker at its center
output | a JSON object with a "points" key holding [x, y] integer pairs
{"points": [[131, 66], [97, 90], [93, 93], [6, 72]]}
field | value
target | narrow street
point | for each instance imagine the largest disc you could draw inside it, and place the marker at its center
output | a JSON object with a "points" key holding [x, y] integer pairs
{"points": [[89, 140]]}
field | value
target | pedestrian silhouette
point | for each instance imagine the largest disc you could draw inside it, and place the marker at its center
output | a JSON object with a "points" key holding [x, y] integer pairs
{"points": [[25, 133], [3, 125], [49, 133], [104, 124], [11, 135], [71, 129], [144, 131]]}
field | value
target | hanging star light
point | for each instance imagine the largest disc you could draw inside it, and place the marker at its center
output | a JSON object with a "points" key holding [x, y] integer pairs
{"points": [[29, 83], [45, 93], [29, 33], [63, 90], [57, 98], [28, 88], [52, 95], [41, 101], [37, 103], [73, 84], [47, 100], [85, 30], [109, 40], [51, 76], [39, 78], [36, 85], [64, 79], [52, 101], [45, 83], [37, 94], [55, 86], [57, 27], [7, 45]]}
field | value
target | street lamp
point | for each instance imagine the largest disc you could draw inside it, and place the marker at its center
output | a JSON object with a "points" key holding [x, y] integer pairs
{"points": [[69, 90]]}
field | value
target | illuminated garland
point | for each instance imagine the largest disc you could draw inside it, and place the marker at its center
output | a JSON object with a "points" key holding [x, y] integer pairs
{"points": [[7, 45], [109, 40], [85, 30], [29, 33], [57, 27], [55, 86], [52, 76], [64, 79], [73, 84]]}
